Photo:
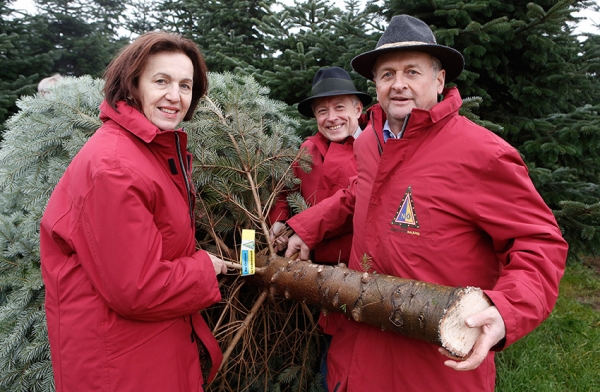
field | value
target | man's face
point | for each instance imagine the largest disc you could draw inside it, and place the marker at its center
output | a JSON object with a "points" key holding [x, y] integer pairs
{"points": [[404, 81], [337, 116]]}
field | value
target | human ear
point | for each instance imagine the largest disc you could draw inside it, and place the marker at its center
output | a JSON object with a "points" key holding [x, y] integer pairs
{"points": [[440, 78]]}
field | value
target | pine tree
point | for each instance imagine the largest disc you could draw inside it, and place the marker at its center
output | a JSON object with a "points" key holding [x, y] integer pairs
{"points": [[26, 58], [244, 145], [142, 17], [83, 34], [66, 37], [228, 39]]}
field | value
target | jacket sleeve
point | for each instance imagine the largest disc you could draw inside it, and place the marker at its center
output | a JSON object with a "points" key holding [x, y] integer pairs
{"points": [[121, 251], [527, 241], [321, 220]]}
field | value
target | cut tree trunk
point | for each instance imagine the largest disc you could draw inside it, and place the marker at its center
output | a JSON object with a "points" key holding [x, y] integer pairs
{"points": [[420, 310]]}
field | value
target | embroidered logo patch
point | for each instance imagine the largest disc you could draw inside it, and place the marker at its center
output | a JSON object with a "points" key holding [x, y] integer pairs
{"points": [[406, 216]]}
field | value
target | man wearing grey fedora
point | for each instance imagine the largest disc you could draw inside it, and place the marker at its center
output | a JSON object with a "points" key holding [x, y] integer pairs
{"points": [[336, 106], [437, 199]]}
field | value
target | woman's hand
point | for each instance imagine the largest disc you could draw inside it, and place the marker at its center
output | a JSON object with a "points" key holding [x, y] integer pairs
{"points": [[295, 244], [220, 267]]}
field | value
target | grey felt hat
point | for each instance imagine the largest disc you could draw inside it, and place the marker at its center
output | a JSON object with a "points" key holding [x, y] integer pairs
{"points": [[407, 33], [329, 82]]}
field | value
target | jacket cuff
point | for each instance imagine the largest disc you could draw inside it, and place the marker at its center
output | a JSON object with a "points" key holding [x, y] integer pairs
{"points": [[302, 232]]}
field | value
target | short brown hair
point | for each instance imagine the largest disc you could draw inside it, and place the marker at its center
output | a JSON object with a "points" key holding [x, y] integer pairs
{"points": [[123, 73]]}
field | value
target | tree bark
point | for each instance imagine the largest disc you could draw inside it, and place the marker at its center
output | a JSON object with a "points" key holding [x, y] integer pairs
{"points": [[420, 310]]}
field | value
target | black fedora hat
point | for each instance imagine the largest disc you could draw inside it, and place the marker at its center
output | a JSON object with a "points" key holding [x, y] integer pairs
{"points": [[407, 33], [329, 82]]}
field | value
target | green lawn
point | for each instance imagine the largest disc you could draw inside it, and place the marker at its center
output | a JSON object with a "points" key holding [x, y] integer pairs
{"points": [[562, 354]]}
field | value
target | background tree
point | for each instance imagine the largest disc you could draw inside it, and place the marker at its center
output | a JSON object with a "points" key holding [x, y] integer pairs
{"points": [[228, 39], [25, 57], [141, 17], [66, 37], [83, 34]]}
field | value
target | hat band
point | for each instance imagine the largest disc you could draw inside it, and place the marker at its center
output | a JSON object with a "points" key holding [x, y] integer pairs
{"points": [[333, 84], [400, 44]]}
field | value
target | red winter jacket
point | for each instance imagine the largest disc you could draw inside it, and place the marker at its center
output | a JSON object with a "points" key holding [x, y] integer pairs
{"points": [[448, 203], [124, 282], [333, 164]]}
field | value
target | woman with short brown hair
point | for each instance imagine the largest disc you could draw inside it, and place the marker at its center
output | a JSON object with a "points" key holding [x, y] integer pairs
{"points": [[124, 281]]}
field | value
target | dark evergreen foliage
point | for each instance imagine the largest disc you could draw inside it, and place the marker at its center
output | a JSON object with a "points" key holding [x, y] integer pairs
{"points": [[83, 34], [67, 37], [25, 58]]}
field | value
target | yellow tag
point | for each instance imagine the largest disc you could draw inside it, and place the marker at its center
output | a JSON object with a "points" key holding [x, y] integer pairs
{"points": [[247, 253]]}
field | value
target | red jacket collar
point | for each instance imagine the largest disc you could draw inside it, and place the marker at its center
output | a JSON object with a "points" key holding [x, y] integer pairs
{"points": [[322, 143], [131, 119], [447, 107]]}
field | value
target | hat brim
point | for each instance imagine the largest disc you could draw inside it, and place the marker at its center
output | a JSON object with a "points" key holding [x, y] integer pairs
{"points": [[452, 60], [305, 108]]}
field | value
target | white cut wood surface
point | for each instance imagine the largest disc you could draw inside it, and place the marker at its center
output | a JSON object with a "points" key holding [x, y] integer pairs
{"points": [[455, 335]]}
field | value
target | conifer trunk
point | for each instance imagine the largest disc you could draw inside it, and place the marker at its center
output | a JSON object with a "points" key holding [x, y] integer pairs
{"points": [[415, 309]]}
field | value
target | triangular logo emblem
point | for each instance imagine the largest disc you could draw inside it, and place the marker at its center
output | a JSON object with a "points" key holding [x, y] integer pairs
{"points": [[406, 216]]}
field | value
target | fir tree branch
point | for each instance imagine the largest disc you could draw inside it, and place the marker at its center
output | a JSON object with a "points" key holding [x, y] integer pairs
{"points": [[254, 189], [245, 324]]}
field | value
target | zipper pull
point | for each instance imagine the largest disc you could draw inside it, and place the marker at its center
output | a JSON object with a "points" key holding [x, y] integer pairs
{"points": [[404, 126]]}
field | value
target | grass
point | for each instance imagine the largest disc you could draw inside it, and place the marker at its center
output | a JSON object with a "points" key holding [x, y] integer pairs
{"points": [[563, 353]]}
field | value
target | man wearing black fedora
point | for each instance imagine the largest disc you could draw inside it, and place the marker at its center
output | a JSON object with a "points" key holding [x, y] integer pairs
{"points": [[437, 199], [336, 105]]}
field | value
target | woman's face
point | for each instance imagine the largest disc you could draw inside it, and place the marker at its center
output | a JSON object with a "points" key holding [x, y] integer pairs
{"points": [[166, 89]]}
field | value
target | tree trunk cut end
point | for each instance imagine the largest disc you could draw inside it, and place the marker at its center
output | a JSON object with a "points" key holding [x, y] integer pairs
{"points": [[455, 335]]}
